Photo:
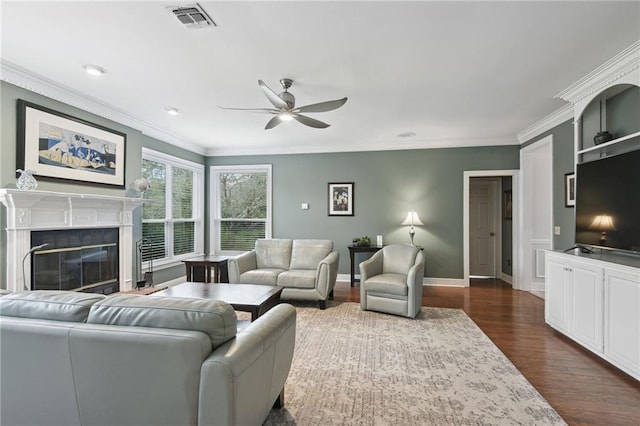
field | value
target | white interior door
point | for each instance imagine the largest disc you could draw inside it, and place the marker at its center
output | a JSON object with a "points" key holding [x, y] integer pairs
{"points": [[483, 225], [536, 163]]}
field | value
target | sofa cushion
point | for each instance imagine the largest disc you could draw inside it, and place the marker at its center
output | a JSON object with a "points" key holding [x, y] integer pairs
{"points": [[273, 253], [261, 276], [215, 318], [298, 279], [49, 305], [307, 254]]}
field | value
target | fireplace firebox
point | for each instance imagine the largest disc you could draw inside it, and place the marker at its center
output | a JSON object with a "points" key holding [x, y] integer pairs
{"points": [[76, 259]]}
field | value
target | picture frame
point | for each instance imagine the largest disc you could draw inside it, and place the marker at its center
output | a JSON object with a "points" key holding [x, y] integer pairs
{"points": [[507, 204], [570, 189], [340, 199], [58, 146]]}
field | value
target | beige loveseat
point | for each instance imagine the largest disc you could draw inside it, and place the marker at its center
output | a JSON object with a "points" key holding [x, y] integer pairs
{"points": [[86, 359], [307, 269]]}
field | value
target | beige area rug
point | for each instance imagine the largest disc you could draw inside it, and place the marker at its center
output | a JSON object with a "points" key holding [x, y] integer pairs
{"points": [[365, 368]]}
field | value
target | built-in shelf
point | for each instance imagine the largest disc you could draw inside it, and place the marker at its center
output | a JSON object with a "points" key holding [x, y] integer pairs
{"points": [[610, 143]]}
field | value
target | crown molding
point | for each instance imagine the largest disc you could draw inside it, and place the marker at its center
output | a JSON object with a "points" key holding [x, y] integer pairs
{"points": [[552, 120], [391, 145], [18, 76], [604, 76]]}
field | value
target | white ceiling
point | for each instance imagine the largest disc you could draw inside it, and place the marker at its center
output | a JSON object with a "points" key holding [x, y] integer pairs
{"points": [[453, 73]]}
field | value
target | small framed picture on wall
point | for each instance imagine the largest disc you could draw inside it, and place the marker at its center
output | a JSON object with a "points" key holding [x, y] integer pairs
{"points": [[507, 205], [340, 199], [570, 189]]}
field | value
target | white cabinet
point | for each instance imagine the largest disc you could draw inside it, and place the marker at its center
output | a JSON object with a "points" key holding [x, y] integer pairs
{"points": [[622, 319], [573, 299], [595, 300]]}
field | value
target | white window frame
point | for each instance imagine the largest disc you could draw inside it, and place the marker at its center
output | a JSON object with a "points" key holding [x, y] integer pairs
{"points": [[198, 206], [214, 210]]}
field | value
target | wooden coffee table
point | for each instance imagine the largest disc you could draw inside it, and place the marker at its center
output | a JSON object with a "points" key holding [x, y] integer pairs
{"points": [[253, 298]]}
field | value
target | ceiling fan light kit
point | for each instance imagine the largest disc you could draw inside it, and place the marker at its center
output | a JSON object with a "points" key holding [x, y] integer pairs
{"points": [[285, 107]]}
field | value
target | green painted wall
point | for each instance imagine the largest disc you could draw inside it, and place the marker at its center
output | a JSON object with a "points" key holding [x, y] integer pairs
{"points": [[135, 141], [387, 185]]}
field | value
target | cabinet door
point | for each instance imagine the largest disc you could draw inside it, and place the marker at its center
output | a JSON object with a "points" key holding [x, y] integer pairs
{"points": [[586, 305], [622, 319], [556, 294]]}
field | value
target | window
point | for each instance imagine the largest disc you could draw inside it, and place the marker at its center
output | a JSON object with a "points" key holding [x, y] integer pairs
{"points": [[241, 206], [172, 225]]}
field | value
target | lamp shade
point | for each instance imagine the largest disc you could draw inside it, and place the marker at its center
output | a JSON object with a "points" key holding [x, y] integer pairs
{"points": [[412, 219], [602, 222]]}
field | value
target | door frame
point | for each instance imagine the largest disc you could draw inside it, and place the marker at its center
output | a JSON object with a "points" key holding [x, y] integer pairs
{"points": [[496, 184], [515, 176]]}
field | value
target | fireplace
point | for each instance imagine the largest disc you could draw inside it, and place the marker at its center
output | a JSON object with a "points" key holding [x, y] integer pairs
{"points": [[77, 259], [89, 236]]}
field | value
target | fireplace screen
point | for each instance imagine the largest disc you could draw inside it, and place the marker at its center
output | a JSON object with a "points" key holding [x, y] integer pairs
{"points": [[83, 259]]}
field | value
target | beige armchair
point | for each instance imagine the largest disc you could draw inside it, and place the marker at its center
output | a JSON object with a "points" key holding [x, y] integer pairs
{"points": [[391, 281]]}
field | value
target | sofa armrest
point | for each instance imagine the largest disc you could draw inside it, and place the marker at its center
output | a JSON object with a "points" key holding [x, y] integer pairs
{"points": [[241, 380], [326, 274], [238, 265]]}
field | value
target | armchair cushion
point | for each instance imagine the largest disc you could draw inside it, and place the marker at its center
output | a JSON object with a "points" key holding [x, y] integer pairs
{"points": [[388, 283]]}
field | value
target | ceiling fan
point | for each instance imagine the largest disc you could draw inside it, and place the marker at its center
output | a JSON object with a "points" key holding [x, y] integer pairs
{"points": [[285, 107]]}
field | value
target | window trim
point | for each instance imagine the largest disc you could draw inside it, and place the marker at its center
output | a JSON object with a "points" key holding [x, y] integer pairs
{"points": [[214, 205], [198, 206]]}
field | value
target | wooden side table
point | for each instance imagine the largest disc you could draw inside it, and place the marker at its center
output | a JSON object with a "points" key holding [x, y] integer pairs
{"points": [[352, 256], [210, 261]]}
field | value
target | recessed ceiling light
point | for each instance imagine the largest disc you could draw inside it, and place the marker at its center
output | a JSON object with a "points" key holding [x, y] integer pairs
{"points": [[406, 134], [172, 110], [94, 69]]}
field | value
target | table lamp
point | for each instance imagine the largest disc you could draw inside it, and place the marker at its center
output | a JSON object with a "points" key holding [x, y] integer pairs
{"points": [[602, 223], [412, 219]]}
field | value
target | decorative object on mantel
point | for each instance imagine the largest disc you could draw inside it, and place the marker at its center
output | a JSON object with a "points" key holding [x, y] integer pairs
{"points": [[59, 146], [26, 181], [362, 241], [412, 219], [602, 137], [138, 187]]}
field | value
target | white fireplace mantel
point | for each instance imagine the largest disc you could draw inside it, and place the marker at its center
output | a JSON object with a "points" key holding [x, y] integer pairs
{"points": [[45, 210]]}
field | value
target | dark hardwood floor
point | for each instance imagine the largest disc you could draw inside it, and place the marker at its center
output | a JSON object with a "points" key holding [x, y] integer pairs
{"points": [[581, 387]]}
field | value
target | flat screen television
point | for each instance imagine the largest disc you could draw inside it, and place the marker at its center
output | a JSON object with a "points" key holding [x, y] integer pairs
{"points": [[608, 203]]}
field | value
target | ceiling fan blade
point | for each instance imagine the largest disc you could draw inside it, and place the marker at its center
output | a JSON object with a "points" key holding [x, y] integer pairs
{"points": [[273, 123], [268, 110], [272, 96], [311, 122], [322, 106]]}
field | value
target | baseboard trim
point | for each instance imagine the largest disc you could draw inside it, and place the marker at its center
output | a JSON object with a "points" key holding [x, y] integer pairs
{"points": [[443, 282], [506, 278], [438, 282]]}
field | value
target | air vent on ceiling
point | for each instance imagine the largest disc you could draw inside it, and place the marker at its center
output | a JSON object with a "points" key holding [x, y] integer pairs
{"points": [[193, 16]]}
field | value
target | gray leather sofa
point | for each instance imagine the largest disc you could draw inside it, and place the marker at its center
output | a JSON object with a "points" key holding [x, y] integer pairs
{"points": [[87, 359], [307, 269]]}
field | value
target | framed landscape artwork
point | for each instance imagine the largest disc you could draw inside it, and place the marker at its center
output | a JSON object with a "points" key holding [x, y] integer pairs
{"points": [[58, 146], [341, 199]]}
